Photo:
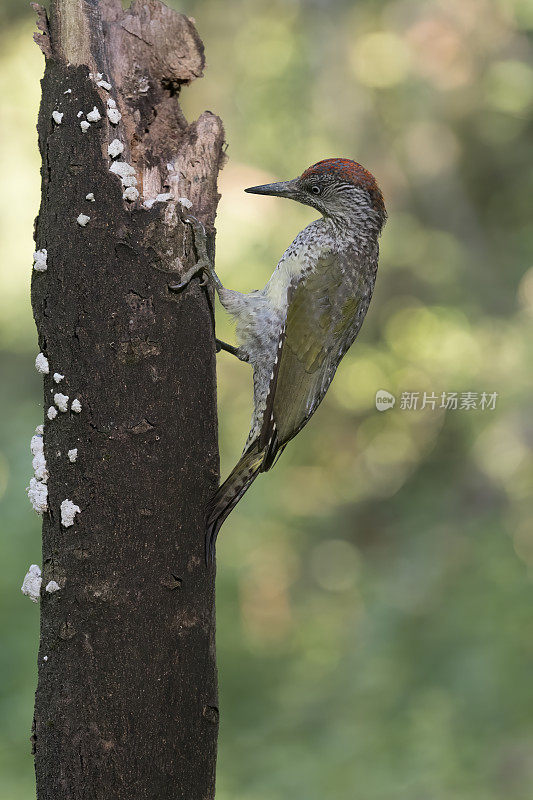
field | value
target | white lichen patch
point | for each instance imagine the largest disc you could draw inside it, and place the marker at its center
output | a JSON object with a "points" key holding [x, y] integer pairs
{"points": [[94, 115], [52, 412], [31, 585], [114, 115], [129, 180], [98, 78], [58, 377], [39, 260], [84, 125], [45, 658], [115, 148], [82, 219], [41, 364], [90, 197], [68, 512], [131, 193], [75, 406], [111, 103], [61, 401], [161, 198], [122, 169], [126, 173], [79, 114], [57, 116], [52, 586], [37, 442], [39, 467], [68, 91], [73, 454], [38, 495], [185, 202], [38, 461]]}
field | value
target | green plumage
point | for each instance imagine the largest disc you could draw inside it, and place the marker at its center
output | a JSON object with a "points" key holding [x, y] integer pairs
{"points": [[296, 330], [325, 311]]}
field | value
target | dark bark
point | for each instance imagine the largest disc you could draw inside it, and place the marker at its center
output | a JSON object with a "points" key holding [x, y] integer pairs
{"points": [[126, 703]]}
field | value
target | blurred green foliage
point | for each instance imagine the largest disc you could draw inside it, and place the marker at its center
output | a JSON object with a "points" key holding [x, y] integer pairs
{"points": [[375, 606]]}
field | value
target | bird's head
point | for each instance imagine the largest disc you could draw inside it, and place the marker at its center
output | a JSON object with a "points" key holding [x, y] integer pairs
{"points": [[337, 188]]}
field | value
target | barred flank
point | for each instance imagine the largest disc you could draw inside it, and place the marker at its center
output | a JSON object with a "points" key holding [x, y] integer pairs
{"points": [[229, 494]]}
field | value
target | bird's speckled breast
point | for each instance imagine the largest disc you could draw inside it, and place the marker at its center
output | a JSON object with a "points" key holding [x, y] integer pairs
{"points": [[259, 335], [300, 257]]}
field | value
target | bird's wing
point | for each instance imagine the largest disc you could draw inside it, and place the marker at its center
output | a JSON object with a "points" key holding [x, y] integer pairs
{"points": [[322, 314]]}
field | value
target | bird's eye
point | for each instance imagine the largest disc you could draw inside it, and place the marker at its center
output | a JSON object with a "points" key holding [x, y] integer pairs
{"points": [[315, 189]]}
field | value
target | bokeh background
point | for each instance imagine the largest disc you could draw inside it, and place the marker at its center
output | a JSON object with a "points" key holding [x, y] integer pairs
{"points": [[375, 604]]}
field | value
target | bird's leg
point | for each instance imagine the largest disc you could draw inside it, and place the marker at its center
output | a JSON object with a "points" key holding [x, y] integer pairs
{"points": [[203, 264], [229, 348]]}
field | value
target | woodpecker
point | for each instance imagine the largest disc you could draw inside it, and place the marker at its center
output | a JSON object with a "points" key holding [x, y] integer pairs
{"points": [[296, 330]]}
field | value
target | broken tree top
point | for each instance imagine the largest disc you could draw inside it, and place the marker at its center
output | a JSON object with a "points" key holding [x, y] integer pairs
{"points": [[151, 52]]}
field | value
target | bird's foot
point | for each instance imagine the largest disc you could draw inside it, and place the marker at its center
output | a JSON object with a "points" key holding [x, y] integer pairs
{"points": [[203, 265], [197, 269], [229, 348]]}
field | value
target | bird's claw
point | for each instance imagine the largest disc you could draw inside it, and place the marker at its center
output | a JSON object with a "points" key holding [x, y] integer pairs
{"points": [[195, 223], [203, 264], [187, 278]]}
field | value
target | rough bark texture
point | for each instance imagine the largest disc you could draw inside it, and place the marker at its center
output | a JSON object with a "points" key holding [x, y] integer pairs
{"points": [[126, 704]]}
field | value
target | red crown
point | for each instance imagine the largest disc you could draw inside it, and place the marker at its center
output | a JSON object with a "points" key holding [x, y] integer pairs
{"points": [[348, 170]]}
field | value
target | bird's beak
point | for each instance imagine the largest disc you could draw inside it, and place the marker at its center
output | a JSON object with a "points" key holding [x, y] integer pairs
{"points": [[281, 189]]}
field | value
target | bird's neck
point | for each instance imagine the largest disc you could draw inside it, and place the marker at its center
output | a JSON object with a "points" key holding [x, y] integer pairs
{"points": [[354, 228]]}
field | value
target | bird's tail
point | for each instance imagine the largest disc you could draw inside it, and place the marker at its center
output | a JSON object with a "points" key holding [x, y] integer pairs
{"points": [[229, 494]]}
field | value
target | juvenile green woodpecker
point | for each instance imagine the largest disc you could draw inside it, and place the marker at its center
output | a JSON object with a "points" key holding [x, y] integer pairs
{"points": [[295, 331]]}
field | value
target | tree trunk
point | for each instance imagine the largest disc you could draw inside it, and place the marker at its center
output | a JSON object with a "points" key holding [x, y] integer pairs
{"points": [[126, 703]]}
